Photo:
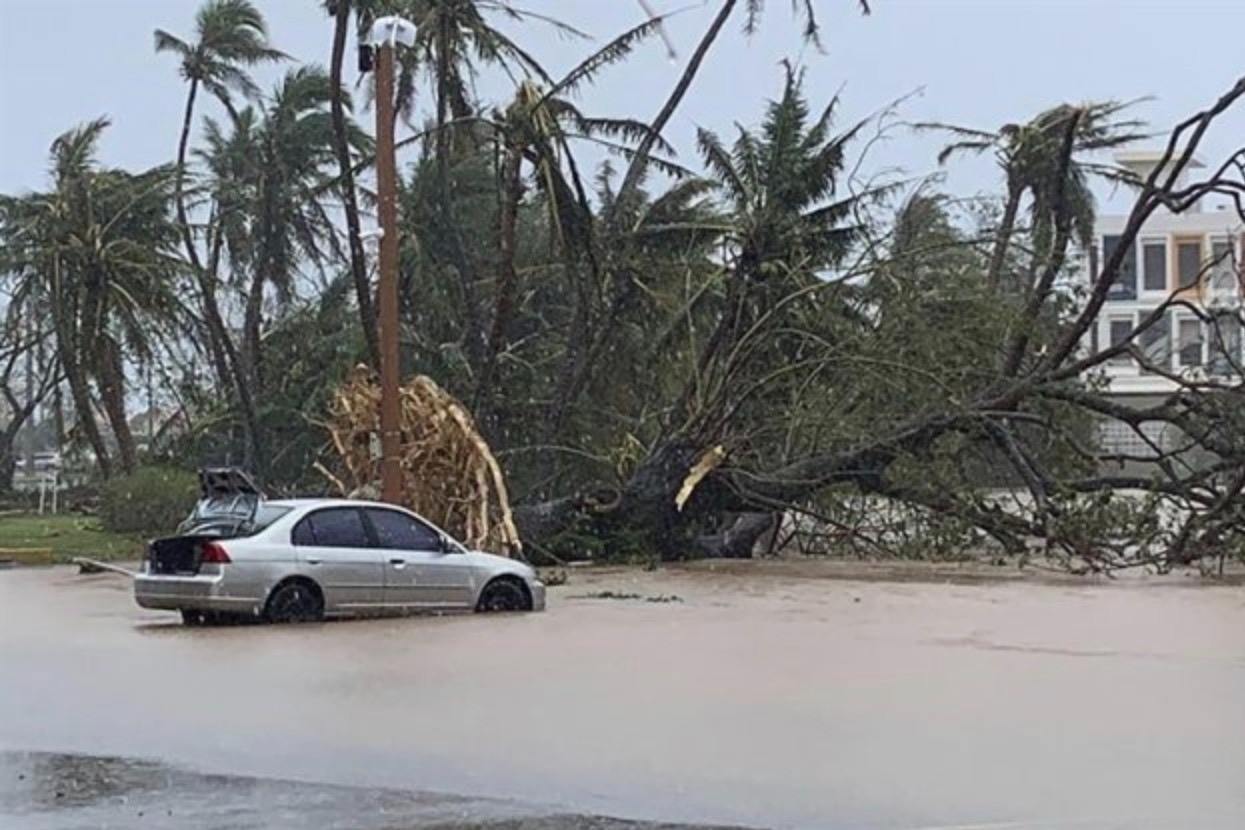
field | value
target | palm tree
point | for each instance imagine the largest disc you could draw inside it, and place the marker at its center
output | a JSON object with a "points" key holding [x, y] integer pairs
{"points": [[230, 37], [753, 9], [271, 209], [452, 39], [340, 10], [1032, 158], [98, 252], [790, 222], [536, 129]]}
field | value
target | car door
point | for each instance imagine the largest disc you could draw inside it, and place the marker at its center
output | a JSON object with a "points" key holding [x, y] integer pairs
{"points": [[418, 572], [333, 548]]}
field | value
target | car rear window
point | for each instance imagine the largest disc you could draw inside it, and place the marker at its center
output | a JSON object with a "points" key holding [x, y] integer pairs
{"points": [[264, 516]]}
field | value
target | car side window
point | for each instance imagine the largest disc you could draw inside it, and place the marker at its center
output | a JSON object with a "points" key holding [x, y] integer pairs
{"points": [[336, 527], [398, 531]]}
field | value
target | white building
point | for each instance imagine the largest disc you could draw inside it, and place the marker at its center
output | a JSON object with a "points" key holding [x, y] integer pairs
{"points": [[1194, 258]]}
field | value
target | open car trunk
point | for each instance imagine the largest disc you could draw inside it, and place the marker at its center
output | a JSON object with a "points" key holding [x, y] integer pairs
{"points": [[226, 508], [176, 554], [228, 500]]}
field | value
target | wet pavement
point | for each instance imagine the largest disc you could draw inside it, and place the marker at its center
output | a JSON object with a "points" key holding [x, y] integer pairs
{"points": [[762, 699], [59, 792]]}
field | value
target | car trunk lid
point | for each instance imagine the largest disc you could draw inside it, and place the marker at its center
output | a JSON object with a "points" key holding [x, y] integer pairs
{"points": [[228, 501]]}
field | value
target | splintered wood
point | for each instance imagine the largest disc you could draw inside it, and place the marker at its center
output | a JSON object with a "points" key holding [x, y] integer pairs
{"points": [[448, 473]]}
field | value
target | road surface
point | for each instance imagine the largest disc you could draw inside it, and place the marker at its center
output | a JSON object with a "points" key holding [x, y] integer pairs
{"points": [[762, 697]]}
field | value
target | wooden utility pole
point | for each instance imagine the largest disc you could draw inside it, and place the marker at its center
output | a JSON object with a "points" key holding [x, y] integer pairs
{"points": [[387, 282]]}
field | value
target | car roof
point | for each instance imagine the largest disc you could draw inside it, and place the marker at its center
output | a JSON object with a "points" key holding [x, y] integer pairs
{"points": [[328, 502]]}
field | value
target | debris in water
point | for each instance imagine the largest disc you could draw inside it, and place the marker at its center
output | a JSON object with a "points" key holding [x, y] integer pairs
{"points": [[627, 596]]}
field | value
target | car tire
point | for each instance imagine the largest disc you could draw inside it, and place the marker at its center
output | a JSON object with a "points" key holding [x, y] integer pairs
{"points": [[503, 595], [193, 617], [296, 601]]}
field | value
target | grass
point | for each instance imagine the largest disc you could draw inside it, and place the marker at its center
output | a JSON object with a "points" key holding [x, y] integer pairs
{"points": [[67, 536]]}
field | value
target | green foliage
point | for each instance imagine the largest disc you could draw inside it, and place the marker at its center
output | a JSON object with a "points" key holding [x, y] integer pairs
{"points": [[68, 535], [231, 35], [151, 500]]}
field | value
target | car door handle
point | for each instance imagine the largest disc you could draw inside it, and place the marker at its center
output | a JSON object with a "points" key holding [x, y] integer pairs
{"points": [[398, 563], [313, 561]]}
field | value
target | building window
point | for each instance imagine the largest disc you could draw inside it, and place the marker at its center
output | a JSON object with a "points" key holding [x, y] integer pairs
{"points": [[1222, 267], [1188, 262], [1119, 331], [1155, 344], [1190, 337], [1225, 345], [1125, 285], [1154, 261]]}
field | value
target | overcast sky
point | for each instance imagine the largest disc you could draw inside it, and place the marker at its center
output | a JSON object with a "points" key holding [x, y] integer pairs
{"points": [[974, 62]]}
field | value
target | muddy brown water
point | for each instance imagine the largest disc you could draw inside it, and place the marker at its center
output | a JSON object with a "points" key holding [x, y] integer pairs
{"points": [[764, 697]]}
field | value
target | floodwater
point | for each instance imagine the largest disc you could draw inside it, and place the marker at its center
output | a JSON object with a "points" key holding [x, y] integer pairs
{"points": [[762, 697]]}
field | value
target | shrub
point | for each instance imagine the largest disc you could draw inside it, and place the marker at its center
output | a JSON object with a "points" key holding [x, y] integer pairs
{"points": [[152, 500]]}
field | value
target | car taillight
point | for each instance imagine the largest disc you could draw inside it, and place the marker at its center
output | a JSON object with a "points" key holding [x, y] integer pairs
{"points": [[214, 552]]}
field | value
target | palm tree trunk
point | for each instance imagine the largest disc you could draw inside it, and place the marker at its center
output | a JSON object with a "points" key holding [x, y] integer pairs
{"points": [[251, 329], [503, 308], [224, 352], [220, 344], [32, 338], [84, 415], [473, 333], [8, 462], [179, 191], [1007, 227], [111, 374], [341, 148], [575, 379], [252, 373], [639, 161], [63, 309]]}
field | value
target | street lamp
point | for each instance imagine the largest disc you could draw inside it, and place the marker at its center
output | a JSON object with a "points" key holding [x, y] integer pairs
{"points": [[386, 33]]}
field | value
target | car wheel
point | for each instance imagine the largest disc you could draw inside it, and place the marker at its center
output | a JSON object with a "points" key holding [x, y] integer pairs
{"points": [[294, 602], [503, 595], [193, 617]]}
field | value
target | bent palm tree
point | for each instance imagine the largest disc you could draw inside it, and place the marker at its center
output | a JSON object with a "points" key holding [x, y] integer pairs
{"points": [[272, 210], [230, 37], [1031, 156], [97, 251]]}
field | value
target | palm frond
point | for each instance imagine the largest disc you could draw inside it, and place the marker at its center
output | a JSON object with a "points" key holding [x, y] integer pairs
{"points": [[616, 50], [165, 42], [719, 162]]}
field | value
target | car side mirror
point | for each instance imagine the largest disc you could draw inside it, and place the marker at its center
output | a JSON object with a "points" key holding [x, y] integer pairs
{"points": [[446, 545]]}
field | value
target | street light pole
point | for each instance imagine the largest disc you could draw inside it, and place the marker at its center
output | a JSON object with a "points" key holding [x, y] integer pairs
{"points": [[387, 282]]}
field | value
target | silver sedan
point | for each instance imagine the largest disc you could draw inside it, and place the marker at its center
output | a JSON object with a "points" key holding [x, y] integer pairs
{"points": [[302, 560]]}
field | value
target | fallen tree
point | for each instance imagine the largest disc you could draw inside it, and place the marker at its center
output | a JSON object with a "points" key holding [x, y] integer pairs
{"points": [[1028, 393]]}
